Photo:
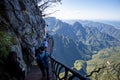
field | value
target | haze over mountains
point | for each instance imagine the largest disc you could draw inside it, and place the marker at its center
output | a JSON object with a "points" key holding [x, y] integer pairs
{"points": [[116, 24], [81, 40], [86, 46]]}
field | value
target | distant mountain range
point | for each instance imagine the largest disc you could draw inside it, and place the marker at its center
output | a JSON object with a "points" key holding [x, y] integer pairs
{"points": [[81, 40], [116, 24]]}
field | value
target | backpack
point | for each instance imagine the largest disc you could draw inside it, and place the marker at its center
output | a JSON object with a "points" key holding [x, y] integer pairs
{"points": [[42, 58]]}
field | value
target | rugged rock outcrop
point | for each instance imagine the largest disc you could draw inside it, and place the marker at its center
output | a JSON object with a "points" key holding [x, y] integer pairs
{"points": [[23, 20]]}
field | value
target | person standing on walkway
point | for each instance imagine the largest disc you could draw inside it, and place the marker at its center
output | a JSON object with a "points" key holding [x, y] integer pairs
{"points": [[43, 62], [45, 44]]}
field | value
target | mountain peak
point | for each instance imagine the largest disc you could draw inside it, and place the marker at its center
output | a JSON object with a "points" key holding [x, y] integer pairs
{"points": [[77, 23]]}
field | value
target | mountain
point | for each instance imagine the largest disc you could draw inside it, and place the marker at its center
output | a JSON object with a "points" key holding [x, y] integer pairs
{"points": [[78, 41], [51, 23], [116, 24], [109, 27], [87, 35], [66, 50], [108, 57], [85, 46], [105, 28]]}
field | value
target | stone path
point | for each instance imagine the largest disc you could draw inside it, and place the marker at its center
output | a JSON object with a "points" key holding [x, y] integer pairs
{"points": [[35, 73]]}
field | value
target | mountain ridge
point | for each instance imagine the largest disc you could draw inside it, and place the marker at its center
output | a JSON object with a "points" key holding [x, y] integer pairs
{"points": [[85, 41]]}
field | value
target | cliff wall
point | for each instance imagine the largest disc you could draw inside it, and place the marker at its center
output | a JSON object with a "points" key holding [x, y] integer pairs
{"points": [[22, 22]]}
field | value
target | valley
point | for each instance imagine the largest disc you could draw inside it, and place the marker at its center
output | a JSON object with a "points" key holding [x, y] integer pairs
{"points": [[85, 46]]}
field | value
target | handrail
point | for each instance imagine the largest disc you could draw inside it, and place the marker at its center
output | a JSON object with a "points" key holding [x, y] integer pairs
{"points": [[69, 74]]}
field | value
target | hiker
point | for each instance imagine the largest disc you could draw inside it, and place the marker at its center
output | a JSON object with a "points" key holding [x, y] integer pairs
{"points": [[45, 44], [13, 67], [43, 62]]}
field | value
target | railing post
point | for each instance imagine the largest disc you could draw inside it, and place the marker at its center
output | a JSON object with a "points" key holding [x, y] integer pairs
{"points": [[57, 69]]}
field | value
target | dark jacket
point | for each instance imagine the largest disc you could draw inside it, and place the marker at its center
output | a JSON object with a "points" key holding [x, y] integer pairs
{"points": [[42, 59]]}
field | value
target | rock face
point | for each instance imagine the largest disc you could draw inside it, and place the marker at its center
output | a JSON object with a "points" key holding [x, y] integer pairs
{"points": [[23, 20]]}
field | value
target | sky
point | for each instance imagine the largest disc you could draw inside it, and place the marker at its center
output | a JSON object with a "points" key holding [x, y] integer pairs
{"points": [[88, 10]]}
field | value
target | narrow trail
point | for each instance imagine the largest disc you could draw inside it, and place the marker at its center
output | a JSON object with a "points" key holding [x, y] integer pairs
{"points": [[35, 73]]}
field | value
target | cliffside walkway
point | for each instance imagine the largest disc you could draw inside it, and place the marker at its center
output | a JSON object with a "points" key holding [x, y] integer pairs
{"points": [[35, 72], [56, 68]]}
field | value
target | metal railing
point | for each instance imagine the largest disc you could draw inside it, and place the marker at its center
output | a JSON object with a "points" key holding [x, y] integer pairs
{"points": [[62, 72]]}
